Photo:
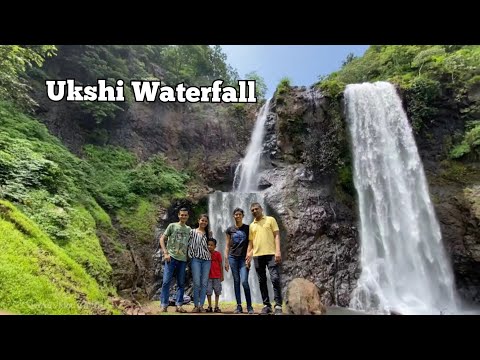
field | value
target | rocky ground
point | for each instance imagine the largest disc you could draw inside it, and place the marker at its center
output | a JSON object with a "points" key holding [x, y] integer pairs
{"points": [[153, 308]]}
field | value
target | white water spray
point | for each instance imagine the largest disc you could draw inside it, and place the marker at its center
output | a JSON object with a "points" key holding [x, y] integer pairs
{"points": [[404, 265]]}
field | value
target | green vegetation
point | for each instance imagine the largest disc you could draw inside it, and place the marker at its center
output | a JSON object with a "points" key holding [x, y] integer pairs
{"points": [[402, 64], [470, 145], [120, 179], [140, 220], [424, 73], [283, 87], [430, 78], [14, 61], [54, 204], [38, 276], [172, 64], [65, 199]]}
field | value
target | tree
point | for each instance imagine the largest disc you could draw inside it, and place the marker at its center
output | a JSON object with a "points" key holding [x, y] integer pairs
{"points": [[14, 62], [350, 57], [426, 56], [260, 86]]}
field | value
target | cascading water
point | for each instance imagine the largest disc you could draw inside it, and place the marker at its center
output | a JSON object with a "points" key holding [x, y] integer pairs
{"points": [[246, 174], [404, 265], [222, 204]]}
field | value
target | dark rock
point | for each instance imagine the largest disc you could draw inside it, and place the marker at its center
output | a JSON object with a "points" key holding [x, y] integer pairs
{"points": [[263, 184], [318, 234]]}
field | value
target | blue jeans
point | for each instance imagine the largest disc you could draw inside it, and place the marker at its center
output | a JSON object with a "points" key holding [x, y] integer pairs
{"points": [[200, 271], [168, 270], [240, 274]]}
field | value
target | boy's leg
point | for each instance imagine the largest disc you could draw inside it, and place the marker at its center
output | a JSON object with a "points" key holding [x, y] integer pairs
{"points": [[218, 292], [209, 293]]}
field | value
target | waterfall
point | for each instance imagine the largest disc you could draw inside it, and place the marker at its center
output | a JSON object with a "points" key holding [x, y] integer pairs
{"points": [[222, 204], [404, 265], [246, 174]]}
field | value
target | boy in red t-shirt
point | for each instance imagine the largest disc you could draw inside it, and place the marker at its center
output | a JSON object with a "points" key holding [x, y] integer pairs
{"points": [[215, 277]]}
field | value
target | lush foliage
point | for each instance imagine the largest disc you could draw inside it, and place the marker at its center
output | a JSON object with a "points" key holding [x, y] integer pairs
{"points": [[120, 179], [283, 86], [470, 146], [402, 64], [429, 76], [61, 193], [38, 276], [140, 220], [14, 62], [191, 64], [50, 185]]}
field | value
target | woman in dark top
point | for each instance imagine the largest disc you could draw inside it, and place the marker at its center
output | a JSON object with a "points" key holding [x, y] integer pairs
{"points": [[200, 255], [235, 254]]}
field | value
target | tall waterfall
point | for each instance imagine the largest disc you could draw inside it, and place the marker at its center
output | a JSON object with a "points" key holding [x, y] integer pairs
{"points": [[222, 204], [246, 174], [404, 265]]}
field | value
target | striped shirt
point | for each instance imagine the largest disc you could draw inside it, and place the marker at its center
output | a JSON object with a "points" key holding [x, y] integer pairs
{"points": [[198, 246]]}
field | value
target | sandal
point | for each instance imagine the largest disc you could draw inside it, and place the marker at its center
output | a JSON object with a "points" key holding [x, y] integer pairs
{"points": [[217, 310]]}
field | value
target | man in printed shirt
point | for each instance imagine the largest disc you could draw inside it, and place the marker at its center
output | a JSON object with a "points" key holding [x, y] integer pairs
{"points": [[175, 256]]}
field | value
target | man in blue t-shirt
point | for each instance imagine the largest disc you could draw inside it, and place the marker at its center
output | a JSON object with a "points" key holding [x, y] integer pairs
{"points": [[235, 258]]}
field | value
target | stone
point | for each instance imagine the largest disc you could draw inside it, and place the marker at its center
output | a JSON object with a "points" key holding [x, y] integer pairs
{"points": [[303, 298]]}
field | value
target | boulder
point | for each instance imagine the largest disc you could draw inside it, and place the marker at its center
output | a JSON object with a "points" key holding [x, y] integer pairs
{"points": [[303, 298]]}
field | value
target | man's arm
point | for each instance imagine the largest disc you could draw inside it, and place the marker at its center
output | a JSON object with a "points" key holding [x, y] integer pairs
{"points": [[164, 249], [249, 252], [250, 246], [278, 254], [228, 245]]}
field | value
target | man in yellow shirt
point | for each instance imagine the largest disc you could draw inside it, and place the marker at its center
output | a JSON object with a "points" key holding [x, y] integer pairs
{"points": [[264, 246]]}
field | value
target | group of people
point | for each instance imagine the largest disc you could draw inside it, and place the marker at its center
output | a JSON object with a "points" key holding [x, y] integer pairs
{"points": [[259, 241]]}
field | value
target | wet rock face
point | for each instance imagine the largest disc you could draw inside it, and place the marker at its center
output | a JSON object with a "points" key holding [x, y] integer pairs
{"points": [[320, 241], [457, 209], [454, 191], [294, 116], [318, 231], [318, 235]]}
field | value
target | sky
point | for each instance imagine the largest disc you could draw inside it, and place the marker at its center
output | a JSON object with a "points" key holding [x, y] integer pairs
{"points": [[302, 64]]}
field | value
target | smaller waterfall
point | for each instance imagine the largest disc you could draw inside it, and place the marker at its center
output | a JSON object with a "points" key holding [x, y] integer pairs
{"points": [[404, 265], [222, 204], [246, 174]]}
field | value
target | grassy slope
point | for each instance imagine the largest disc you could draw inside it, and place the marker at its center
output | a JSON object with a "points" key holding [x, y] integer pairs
{"points": [[47, 184], [64, 197], [37, 276]]}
